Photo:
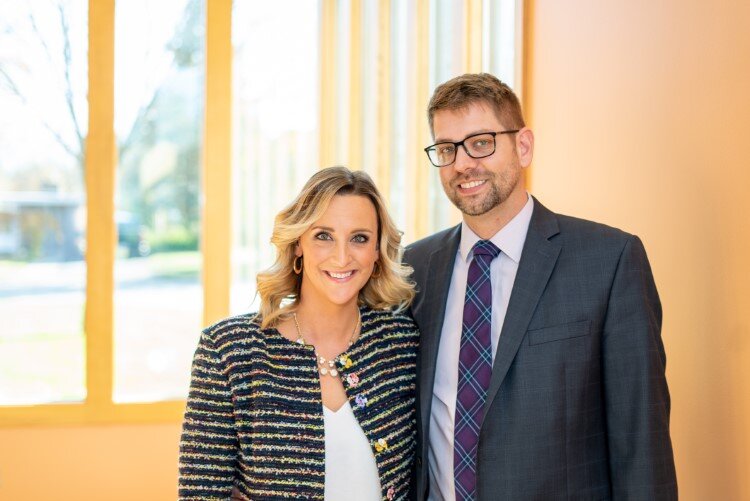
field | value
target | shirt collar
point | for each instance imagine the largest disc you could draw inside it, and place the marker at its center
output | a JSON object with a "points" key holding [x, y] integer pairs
{"points": [[509, 239]]}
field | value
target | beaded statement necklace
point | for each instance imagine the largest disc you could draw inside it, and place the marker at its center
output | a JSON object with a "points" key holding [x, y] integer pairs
{"points": [[326, 367]]}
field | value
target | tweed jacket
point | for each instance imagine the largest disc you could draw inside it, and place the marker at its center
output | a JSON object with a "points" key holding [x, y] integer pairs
{"points": [[254, 417]]}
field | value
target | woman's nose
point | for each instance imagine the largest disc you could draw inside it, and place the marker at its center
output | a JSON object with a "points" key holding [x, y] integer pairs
{"points": [[342, 253]]}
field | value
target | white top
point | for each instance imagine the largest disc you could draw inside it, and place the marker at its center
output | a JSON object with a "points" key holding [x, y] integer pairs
{"points": [[510, 240], [351, 472]]}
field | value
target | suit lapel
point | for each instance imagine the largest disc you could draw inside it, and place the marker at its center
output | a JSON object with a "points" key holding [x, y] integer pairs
{"points": [[439, 274], [537, 262]]}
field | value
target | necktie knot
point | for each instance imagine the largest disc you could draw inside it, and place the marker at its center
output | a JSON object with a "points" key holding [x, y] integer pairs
{"points": [[485, 248]]}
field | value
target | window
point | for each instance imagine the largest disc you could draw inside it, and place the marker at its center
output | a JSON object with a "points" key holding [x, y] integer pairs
{"points": [[42, 198], [159, 74], [163, 225]]}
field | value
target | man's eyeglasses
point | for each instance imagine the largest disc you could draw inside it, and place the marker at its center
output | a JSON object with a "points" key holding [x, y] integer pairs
{"points": [[476, 146]]}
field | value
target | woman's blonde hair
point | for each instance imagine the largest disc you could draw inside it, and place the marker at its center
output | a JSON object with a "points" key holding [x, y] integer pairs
{"points": [[279, 284]]}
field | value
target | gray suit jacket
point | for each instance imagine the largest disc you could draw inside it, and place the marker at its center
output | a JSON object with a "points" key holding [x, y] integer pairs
{"points": [[578, 405]]}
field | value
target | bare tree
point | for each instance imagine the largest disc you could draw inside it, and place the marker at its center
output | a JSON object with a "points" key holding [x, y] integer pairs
{"points": [[11, 71]]}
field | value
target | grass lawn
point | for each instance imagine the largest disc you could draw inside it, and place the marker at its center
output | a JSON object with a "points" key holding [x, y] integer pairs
{"points": [[42, 344], [184, 264], [43, 367]]}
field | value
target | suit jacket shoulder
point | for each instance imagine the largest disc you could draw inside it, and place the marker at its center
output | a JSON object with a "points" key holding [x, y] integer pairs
{"points": [[427, 245], [590, 229], [581, 235], [418, 254], [575, 234], [589, 241]]}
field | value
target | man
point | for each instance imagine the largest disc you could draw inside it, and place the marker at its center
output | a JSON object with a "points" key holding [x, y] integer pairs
{"points": [[541, 365]]}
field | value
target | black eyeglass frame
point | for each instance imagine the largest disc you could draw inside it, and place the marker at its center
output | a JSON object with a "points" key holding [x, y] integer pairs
{"points": [[461, 143]]}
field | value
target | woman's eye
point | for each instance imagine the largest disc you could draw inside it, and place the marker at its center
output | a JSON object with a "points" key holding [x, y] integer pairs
{"points": [[323, 236], [361, 239]]}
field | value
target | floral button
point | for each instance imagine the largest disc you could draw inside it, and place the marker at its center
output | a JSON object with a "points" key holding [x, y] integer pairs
{"points": [[344, 361], [352, 380], [391, 492], [381, 445], [360, 402]]}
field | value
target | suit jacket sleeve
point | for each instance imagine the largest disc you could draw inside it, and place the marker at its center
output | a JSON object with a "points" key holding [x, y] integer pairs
{"points": [[636, 394], [209, 445]]}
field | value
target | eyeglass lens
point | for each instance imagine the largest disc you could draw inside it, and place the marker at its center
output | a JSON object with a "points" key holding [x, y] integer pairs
{"points": [[481, 145]]}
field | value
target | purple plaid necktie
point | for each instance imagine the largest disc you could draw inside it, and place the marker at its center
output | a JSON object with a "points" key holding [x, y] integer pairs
{"points": [[474, 369]]}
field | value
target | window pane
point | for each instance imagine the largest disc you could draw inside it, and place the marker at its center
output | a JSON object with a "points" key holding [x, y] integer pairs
{"points": [[369, 97], [402, 59], [447, 48], [499, 40], [42, 130], [159, 98], [275, 111], [447, 40]]}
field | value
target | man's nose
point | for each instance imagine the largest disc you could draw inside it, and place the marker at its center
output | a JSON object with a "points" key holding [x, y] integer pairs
{"points": [[463, 161]]}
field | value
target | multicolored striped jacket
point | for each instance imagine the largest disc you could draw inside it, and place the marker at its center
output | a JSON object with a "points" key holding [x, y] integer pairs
{"points": [[254, 417]]}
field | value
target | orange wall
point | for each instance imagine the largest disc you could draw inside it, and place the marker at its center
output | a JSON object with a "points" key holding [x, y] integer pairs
{"points": [[116, 463], [642, 117]]}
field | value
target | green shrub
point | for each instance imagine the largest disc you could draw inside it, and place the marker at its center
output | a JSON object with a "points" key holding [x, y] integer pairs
{"points": [[174, 239]]}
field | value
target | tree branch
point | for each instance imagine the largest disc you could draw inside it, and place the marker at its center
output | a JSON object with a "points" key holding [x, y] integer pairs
{"points": [[67, 57], [143, 112], [11, 84], [68, 92], [39, 35]]}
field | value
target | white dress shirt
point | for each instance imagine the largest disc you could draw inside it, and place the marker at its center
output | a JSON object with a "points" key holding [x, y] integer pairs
{"points": [[510, 240], [351, 472]]}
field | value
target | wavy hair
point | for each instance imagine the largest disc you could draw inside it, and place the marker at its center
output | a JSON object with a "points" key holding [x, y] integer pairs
{"points": [[279, 286]]}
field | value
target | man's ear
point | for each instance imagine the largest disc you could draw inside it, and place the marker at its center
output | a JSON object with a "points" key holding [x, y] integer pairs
{"points": [[525, 146]]}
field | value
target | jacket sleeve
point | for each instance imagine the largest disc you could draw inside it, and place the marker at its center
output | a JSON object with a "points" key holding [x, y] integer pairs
{"points": [[209, 445], [636, 394]]}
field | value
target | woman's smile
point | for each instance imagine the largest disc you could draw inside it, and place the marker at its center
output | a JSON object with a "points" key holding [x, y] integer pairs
{"points": [[341, 276]]}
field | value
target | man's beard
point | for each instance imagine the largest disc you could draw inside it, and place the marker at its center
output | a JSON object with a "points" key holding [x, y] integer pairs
{"points": [[500, 187]]}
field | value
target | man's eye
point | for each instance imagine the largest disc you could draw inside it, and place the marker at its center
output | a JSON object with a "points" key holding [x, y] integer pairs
{"points": [[481, 144], [446, 150]]}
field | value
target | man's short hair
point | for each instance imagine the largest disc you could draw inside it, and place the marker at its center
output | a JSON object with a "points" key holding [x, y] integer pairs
{"points": [[470, 88]]}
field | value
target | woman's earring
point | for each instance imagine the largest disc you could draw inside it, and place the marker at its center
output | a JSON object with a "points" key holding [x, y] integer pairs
{"points": [[376, 271], [297, 265]]}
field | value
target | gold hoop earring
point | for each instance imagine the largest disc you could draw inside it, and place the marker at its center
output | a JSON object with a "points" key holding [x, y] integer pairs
{"points": [[297, 267], [376, 270]]}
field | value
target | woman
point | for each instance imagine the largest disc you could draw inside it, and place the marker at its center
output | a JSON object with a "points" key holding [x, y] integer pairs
{"points": [[313, 396]]}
